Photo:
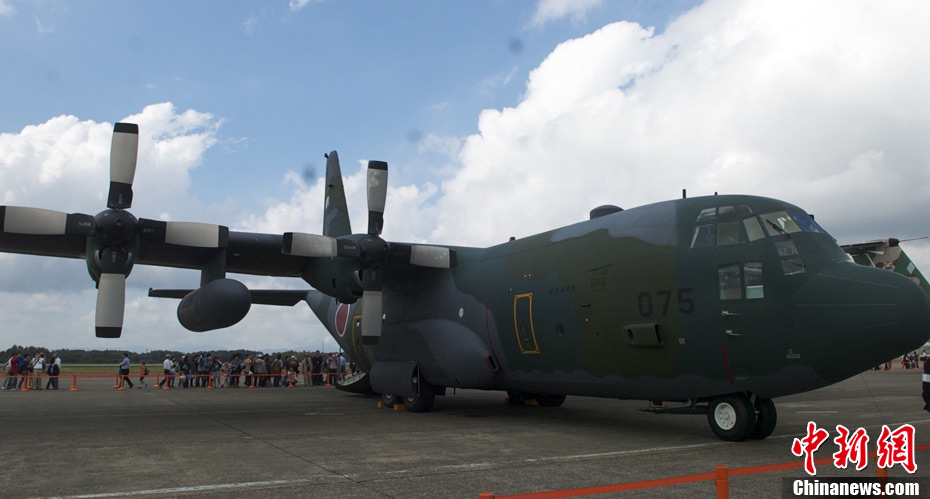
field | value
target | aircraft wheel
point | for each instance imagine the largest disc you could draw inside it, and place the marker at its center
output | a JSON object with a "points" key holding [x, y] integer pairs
{"points": [[422, 402], [765, 419], [390, 401], [515, 398], [548, 400], [732, 417]]}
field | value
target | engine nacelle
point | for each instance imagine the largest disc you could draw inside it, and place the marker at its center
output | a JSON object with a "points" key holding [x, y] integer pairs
{"points": [[218, 304]]}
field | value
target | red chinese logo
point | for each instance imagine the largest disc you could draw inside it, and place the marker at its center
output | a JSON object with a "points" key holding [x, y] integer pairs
{"points": [[892, 447], [808, 445], [896, 447]]}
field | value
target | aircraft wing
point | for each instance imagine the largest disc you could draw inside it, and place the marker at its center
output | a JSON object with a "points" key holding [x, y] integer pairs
{"points": [[243, 253], [346, 266]]}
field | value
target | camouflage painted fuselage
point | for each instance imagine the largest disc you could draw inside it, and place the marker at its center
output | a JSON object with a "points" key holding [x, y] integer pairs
{"points": [[679, 300]]}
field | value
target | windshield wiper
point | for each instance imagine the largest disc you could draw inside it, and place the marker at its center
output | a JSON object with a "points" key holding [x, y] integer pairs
{"points": [[777, 228]]}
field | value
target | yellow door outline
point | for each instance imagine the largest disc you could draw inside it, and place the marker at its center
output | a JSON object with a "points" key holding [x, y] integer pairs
{"points": [[527, 343]]}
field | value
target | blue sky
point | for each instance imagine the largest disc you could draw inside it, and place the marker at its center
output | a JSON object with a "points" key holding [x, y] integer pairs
{"points": [[498, 119], [370, 78]]}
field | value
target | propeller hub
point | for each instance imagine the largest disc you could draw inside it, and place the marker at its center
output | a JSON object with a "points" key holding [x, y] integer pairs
{"points": [[372, 250], [116, 228]]}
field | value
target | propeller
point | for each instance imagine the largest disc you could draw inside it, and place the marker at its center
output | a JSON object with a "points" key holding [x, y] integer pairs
{"points": [[370, 251], [114, 236]]}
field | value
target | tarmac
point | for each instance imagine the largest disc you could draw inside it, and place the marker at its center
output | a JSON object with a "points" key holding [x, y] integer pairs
{"points": [[321, 442]]}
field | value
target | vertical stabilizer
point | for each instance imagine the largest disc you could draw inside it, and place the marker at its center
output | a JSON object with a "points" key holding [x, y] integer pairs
{"points": [[887, 254]]}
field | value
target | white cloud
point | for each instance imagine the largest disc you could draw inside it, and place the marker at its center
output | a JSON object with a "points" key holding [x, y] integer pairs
{"points": [[63, 164], [818, 104], [249, 24], [552, 10], [406, 215], [6, 9], [296, 5], [41, 28]]}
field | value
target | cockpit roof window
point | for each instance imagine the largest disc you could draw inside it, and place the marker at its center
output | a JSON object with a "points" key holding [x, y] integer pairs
{"points": [[806, 222], [707, 215]]}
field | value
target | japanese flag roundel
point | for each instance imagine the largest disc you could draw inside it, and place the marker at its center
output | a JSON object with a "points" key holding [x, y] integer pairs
{"points": [[342, 319]]}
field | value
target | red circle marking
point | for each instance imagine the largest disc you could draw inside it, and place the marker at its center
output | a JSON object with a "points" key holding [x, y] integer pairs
{"points": [[342, 318]]}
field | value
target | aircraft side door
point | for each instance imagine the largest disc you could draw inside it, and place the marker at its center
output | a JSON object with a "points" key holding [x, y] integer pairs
{"points": [[751, 320], [523, 323]]}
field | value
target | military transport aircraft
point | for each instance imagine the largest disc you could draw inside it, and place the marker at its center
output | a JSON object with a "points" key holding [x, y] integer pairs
{"points": [[718, 303]]}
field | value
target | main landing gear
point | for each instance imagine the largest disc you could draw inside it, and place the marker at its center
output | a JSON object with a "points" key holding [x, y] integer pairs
{"points": [[422, 401], [735, 417]]}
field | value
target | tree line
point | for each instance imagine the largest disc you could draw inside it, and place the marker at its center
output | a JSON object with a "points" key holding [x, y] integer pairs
{"points": [[78, 356]]}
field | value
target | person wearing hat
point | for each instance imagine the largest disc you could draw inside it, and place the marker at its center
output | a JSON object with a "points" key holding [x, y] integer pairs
{"points": [[143, 372]]}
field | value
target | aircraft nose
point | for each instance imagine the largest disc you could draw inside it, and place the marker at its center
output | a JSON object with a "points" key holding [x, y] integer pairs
{"points": [[849, 318]]}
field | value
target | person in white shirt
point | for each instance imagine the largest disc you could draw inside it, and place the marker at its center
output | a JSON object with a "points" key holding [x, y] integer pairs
{"points": [[38, 370], [166, 366]]}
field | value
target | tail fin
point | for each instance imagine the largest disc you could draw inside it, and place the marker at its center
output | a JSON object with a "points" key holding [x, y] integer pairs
{"points": [[887, 254], [341, 320], [335, 211]]}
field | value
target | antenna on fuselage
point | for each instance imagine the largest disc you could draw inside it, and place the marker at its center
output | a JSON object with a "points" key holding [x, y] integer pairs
{"points": [[684, 194]]}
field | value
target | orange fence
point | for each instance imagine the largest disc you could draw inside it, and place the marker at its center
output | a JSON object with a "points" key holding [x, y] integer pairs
{"points": [[720, 476], [206, 381]]}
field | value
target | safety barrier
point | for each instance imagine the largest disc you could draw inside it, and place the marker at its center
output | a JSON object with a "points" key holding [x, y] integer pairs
{"points": [[721, 477], [25, 383], [905, 365]]}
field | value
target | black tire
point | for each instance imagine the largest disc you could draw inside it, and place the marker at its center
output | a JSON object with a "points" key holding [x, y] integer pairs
{"points": [[390, 401], [731, 417], [766, 418], [422, 402], [549, 400], [515, 398]]}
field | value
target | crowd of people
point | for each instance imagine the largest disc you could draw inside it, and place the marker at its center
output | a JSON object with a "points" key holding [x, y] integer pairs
{"points": [[195, 370], [260, 370], [27, 368]]}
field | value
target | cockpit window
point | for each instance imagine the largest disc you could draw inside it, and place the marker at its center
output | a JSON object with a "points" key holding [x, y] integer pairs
{"points": [[741, 281], [704, 236], [806, 222], [707, 215], [729, 233], [736, 224], [793, 266], [786, 248], [778, 223], [753, 229], [752, 273]]}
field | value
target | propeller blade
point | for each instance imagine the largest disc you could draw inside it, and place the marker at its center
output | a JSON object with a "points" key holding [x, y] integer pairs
{"points": [[311, 245], [436, 257], [377, 194], [111, 298], [40, 222], [371, 303], [123, 151], [111, 291], [198, 235], [189, 234], [317, 246], [372, 314]]}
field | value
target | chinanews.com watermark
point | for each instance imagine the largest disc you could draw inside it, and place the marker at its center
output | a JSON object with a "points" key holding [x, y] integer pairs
{"points": [[892, 448], [855, 487]]}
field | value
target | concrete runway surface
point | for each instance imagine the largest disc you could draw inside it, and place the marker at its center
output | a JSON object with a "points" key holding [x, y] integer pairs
{"points": [[320, 442]]}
